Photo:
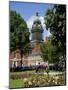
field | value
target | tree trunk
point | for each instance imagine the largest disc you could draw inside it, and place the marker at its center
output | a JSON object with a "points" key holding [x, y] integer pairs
{"points": [[21, 58]]}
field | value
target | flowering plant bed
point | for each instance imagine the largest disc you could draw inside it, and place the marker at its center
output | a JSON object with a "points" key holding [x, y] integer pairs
{"points": [[36, 80]]}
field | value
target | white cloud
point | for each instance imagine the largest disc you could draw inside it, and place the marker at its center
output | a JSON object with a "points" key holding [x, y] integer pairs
{"points": [[30, 23]]}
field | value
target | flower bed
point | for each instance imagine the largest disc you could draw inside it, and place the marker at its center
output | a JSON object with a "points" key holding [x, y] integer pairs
{"points": [[30, 80], [38, 81]]}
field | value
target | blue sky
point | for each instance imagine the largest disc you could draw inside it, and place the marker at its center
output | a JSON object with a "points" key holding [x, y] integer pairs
{"points": [[28, 10]]}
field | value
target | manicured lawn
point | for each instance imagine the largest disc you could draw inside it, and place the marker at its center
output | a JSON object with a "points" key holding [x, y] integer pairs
{"points": [[18, 83]]}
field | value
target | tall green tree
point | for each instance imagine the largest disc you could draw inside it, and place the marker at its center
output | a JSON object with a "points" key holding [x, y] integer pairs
{"points": [[55, 21], [19, 34], [45, 49], [48, 51]]}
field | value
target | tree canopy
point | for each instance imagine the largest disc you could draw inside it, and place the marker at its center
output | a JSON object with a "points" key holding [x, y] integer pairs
{"points": [[16, 20], [55, 21], [19, 33], [48, 51]]}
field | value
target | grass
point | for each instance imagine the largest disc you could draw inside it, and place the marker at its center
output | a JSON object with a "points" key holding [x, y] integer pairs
{"points": [[18, 83]]}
